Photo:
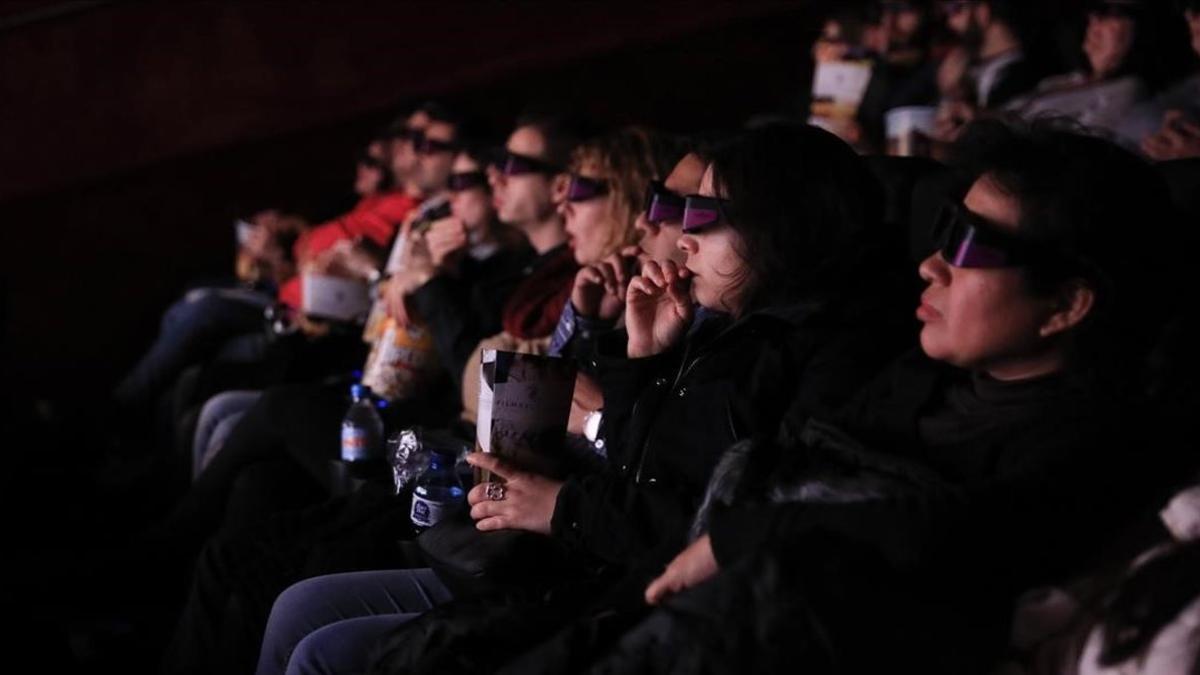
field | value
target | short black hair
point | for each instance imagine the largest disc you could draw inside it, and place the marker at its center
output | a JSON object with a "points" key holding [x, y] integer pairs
{"points": [[1107, 212]]}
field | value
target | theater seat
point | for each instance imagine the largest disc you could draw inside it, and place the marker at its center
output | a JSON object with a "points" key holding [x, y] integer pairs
{"points": [[900, 177], [1183, 176]]}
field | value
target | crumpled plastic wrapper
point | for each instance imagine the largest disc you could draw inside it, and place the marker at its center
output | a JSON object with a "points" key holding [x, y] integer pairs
{"points": [[407, 454]]}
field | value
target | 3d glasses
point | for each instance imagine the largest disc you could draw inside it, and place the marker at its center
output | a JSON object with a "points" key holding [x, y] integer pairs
{"points": [[662, 205], [513, 164], [700, 212], [466, 180], [582, 188], [970, 241]]}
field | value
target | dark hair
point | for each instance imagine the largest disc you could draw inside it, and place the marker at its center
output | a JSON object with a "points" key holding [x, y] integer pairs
{"points": [[806, 207], [1083, 197], [481, 152], [561, 131]]}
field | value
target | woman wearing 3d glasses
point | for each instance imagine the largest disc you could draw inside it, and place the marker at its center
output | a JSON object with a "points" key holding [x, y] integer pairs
{"points": [[767, 312], [899, 532]]}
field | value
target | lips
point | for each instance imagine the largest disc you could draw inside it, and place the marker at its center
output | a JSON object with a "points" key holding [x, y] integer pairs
{"points": [[927, 312]]}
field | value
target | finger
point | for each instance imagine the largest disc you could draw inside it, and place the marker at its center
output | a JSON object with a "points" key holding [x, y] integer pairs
{"points": [[658, 589], [485, 509], [477, 494], [652, 271], [610, 277], [494, 523], [590, 276], [641, 286], [487, 462], [1188, 127], [670, 270]]}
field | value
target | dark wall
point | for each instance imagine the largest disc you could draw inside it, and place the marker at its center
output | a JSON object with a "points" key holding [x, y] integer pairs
{"points": [[135, 133]]}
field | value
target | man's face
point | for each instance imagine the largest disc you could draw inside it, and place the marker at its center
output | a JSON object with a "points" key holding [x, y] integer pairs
{"points": [[525, 198], [404, 156], [435, 157]]}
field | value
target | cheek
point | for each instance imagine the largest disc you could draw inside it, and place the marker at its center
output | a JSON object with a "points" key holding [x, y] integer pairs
{"points": [[984, 318]]}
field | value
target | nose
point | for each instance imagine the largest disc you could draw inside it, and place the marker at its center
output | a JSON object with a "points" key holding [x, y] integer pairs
{"points": [[934, 270], [642, 225], [495, 176], [564, 209], [688, 244]]}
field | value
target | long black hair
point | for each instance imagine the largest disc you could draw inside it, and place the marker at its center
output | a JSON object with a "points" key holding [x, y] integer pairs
{"points": [[806, 207]]}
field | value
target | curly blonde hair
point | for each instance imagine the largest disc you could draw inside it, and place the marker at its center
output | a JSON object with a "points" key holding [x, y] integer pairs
{"points": [[627, 160]]}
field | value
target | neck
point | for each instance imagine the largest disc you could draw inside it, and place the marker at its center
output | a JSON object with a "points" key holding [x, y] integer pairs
{"points": [[997, 40], [544, 235], [1026, 368], [413, 190]]}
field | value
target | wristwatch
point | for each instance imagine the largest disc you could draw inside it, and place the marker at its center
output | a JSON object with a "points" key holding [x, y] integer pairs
{"points": [[591, 425]]}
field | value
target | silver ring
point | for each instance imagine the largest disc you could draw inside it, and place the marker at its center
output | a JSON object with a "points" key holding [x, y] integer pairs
{"points": [[495, 491]]}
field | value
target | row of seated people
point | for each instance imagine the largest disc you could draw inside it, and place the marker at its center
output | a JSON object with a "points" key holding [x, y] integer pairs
{"points": [[1131, 71], [733, 309]]}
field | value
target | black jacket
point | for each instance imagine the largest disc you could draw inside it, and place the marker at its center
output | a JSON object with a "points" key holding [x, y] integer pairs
{"points": [[463, 308], [668, 417]]}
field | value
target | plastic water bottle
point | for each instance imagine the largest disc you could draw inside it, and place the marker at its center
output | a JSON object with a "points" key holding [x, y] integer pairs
{"points": [[438, 492], [362, 429]]}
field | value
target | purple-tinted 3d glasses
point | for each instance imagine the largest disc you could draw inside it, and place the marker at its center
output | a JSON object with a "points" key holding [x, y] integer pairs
{"points": [[513, 164], [970, 241], [582, 188], [700, 212], [466, 180], [662, 205]]}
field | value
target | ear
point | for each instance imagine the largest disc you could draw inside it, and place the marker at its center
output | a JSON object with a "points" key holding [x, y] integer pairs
{"points": [[1071, 306]]}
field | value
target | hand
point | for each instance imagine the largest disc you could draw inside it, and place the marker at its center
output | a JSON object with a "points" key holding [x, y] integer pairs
{"points": [[587, 398], [694, 565], [446, 238], [952, 74], [1178, 138], [528, 502], [599, 290], [395, 300], [952, 118], [658, 308]]}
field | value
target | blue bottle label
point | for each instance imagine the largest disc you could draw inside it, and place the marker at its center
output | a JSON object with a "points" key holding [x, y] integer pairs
{"points": [[427, 513]]}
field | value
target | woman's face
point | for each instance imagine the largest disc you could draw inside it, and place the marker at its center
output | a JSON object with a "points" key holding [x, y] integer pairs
{"points": [[1107, 42], [589, 223], [473, 206], [719, 274], [983, 318]]}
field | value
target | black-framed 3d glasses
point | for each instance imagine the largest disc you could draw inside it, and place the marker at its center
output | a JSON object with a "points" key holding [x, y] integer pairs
{"points": [[701, 212], [432, 146], [581, 188], [414, 136], [514, 164], [970, 241], [466, 180], [662, 205]]}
